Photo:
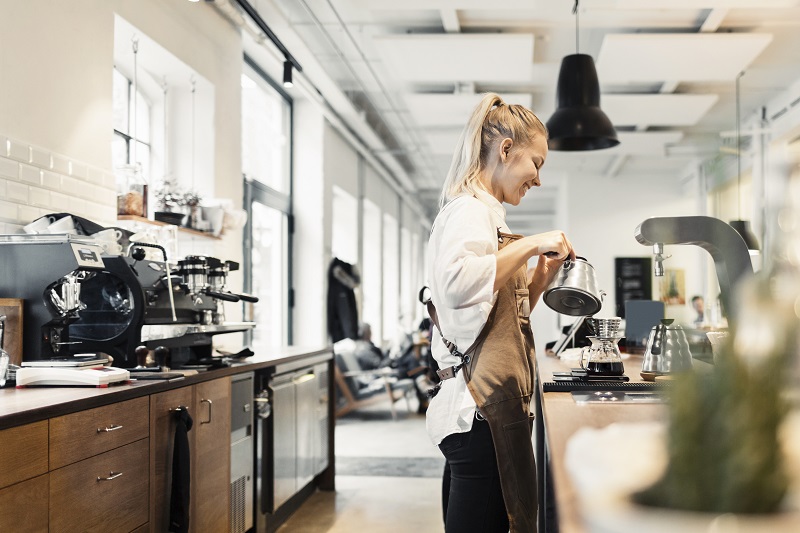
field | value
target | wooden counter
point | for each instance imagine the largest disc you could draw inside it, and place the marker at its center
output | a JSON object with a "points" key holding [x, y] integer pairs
{"points": [[559, 419], [25, 405], [66, 446]]}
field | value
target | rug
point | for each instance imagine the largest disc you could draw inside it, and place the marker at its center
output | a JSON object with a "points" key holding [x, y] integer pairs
{"points": [[390, 466]]}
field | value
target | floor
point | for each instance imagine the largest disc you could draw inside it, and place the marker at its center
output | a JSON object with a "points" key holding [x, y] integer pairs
{"points": [[388, 478]]}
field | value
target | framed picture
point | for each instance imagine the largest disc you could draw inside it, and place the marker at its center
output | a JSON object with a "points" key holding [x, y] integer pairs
{"points": [[673, 287]]}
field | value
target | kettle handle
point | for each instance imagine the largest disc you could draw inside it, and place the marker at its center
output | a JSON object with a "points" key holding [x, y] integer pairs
{"points": [[661, 332]]}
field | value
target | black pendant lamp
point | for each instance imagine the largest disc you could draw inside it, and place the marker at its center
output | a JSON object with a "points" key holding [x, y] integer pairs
{"points": [[579, 123], [742, 227]]}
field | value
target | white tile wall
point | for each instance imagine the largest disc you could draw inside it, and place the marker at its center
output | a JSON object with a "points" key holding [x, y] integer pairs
{"points": [[35, 181]]}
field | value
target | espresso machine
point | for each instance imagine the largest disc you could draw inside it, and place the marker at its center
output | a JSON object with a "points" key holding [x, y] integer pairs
{"points": [[185, 308], [76, 301]]}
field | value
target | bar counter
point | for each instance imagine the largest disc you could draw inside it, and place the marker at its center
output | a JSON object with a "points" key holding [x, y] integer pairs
{"points": [[25, 405], [559, 418]]}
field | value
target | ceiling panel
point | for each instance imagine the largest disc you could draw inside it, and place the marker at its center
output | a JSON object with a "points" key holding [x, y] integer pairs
{"points": [[483, 57], [451, 109], [656, 109], [701, 4], [637, 57], [644, 142], [443, 141]]}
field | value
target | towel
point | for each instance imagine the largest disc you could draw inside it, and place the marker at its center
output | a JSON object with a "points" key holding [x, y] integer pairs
{"points": [[179, 498]]}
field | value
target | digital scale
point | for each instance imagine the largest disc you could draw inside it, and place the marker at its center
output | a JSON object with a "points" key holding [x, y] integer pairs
{"points": [[73, 372]]}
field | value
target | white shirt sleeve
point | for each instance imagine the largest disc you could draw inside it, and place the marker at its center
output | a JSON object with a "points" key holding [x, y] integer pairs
{"points": [[465, 265]]}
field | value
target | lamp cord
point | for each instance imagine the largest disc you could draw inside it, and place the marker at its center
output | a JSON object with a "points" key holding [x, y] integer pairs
{"points": [[194, 82], [577, 33], [135, 46], [738, 149]]}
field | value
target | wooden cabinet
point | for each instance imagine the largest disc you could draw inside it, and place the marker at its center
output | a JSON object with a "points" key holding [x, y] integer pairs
{"points": [[212, 456], [209, 443], [162, 438], [109, 468], [24, 453], [22, 507], [99, 468], [107, 492], [86, 433]]}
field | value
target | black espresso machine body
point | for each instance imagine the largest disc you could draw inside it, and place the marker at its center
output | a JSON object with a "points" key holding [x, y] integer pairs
{"points": [[184, 308], [76, 301]]}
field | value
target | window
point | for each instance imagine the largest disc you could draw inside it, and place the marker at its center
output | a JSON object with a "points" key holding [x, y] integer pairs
{"points": [[131, 143], [266, 131], [265, 137], [371, 281], [269, 251], [344, 231], [406, 279], [391, 281]]}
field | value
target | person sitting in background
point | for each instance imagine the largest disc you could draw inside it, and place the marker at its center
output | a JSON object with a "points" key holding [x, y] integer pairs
{"points": [[698, 306], [368, 355]]}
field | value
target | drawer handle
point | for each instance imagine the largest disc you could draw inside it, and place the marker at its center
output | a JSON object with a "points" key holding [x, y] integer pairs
{"points": [[107, 429], [111, 475], [209, 402]]}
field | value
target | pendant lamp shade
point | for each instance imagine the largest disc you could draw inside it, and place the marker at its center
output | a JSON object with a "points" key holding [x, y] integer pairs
{"points": [[742, 227], [579, 123]]}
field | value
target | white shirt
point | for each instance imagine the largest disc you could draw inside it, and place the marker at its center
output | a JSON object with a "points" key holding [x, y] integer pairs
{"points": [[461, 275]]}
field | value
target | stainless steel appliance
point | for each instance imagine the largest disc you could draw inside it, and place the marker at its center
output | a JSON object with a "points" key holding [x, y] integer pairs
{"points": [[75, 300], [726, 246], [242, 482], [574, 290], [667, 349], [291, 436], [183, 311]]}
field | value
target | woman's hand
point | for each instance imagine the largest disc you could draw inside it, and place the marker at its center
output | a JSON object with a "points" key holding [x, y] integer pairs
{"points": [[541, 276], [554, 244]]}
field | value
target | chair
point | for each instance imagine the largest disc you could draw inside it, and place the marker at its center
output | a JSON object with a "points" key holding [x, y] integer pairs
{"points": [[358, 387]]}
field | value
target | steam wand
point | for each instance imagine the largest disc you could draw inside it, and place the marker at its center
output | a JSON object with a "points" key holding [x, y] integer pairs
{"points": [[138, 256]]}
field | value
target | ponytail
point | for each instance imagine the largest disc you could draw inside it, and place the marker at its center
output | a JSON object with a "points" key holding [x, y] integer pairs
{"points": [[491, 120]]}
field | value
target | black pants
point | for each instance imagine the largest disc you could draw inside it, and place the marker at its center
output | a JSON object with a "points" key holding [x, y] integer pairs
{"points": [[472, 500]]}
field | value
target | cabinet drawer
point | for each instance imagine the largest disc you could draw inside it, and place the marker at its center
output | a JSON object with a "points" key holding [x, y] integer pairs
{"points": [[108, 492], [24, 453], [23, 507], [87, 433]]}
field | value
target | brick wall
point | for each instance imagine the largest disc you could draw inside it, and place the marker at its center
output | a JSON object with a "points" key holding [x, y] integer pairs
{"points": [[35, 182]]}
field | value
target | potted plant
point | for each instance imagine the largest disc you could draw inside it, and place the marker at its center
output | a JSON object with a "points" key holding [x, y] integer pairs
{"points": [[191, 199], [171, 203]]}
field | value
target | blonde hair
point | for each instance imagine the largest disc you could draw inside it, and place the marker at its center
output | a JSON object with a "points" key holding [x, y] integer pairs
{"points": [[492, 120]]}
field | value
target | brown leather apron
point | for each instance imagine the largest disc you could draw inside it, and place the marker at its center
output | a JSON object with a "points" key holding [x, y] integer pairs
{"points": [[499, 374]]}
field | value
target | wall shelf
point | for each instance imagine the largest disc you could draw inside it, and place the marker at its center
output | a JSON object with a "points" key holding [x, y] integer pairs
{"points": [[189, 231]]}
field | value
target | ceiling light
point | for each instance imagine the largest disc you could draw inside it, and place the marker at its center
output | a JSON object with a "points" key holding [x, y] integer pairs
{"points": [[742, 226], [287, 74], [579, 123]]}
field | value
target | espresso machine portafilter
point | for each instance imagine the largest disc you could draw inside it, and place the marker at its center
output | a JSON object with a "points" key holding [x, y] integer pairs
{"points": [[75, 300]]}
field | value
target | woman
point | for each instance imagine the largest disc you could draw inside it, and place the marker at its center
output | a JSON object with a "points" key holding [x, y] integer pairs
{"points": [[482, 295]]}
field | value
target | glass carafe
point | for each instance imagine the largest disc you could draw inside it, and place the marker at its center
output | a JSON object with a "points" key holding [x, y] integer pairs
{"points": [[602, 358]]}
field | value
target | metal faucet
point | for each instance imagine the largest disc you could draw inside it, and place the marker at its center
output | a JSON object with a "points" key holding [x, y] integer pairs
{"points": [[658, 252], [726, 246]]}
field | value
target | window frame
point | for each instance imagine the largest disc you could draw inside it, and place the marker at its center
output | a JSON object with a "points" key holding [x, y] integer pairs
{"points": [[257, 192]]}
